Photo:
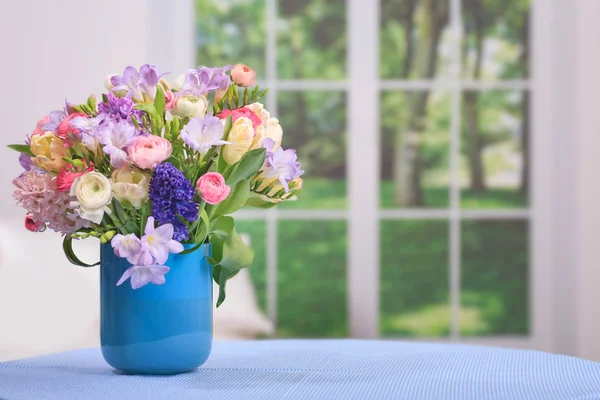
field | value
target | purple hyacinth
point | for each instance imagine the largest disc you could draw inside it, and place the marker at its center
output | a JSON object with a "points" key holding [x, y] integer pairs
{"points": [[281, 164], [119, 108], [172, 197]]}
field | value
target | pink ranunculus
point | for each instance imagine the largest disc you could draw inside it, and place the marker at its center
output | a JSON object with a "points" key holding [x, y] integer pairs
{"points": [[68, 174], [65, 126], [212, 188], [33, 226], [243, 75], [170, 100], [147, 152], [38, 128], [239, 113]]}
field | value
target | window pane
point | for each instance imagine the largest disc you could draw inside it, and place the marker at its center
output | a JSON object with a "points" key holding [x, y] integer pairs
{"points": [[311, 273], [415, 40], [414, 278], [495, 39], [255, 231], [495, 160], [495, 277], [415, 149], [311, 39], [314, 123], [231, 32]]}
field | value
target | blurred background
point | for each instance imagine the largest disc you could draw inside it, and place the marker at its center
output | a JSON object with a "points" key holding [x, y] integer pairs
{"points": [[475, 222]]}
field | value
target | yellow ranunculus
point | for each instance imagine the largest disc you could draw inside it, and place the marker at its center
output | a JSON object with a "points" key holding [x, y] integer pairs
{"points": [[49, 151], [242, 136]]}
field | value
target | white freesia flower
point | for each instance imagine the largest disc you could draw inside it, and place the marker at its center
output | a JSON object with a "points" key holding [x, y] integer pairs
{"points": [[130, 184], [93, 192]]}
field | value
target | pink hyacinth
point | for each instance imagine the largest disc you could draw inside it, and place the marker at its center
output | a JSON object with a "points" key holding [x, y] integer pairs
{"points": [[37, 193]]}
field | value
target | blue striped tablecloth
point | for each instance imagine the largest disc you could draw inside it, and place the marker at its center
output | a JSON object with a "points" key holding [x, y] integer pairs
{"points": [[316, 369]]}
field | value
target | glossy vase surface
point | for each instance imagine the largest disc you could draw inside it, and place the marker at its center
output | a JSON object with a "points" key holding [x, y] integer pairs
{"points": [[157, 329]]}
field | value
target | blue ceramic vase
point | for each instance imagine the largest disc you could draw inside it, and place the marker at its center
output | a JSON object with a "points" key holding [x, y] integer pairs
{"points": [[157, 329]]}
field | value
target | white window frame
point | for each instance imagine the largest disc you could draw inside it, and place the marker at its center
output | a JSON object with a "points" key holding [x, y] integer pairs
{"points": [[556, 305]]}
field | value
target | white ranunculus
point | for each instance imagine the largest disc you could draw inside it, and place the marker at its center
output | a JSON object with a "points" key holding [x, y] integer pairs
{"points": [[190, 106], [130, 184], [93, 192]]}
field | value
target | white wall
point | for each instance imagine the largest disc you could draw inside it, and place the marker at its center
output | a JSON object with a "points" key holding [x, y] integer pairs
{"points": [[51, 50]]}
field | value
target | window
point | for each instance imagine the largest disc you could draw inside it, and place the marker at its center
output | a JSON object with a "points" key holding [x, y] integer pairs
{"points": [[448, 99]]}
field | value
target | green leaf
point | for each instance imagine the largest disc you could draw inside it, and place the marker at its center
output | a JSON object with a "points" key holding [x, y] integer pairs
{"points": [[235, 254], [21, 148], [259, 203], [205, 228], [191, 249], [104, 98], [254, 93], [131, 226], [236, 199], [68, 249], [221, 276], [120, 211], [145, 212], [247, 166], [159, 100]]}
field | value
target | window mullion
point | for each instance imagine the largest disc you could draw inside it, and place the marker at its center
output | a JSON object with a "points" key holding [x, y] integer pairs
{"points": [[363, 167]]}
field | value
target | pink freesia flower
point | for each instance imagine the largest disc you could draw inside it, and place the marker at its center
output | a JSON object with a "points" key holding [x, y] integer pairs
{"points": [[65, 127], [170, 100], [239, 113], [212, 188], [38, 128], [243, 75], [32, 225], [69, 173], [148, 151]]}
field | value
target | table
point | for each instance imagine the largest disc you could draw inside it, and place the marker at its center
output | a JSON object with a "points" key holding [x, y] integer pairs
{"points": [[316, 369]]}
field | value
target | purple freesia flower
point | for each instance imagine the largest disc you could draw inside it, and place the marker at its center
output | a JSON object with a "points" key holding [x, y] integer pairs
{"points": [[87, 125], [56, 117], [25, 161], [159, 241], [136, 82], [116, 137], [147, 255], [202, 80], [141, 275], [281, 164], [203, 133], [127, 246]]}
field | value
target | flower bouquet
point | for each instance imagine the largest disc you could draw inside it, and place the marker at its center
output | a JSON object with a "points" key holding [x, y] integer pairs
{"points": [[156, 169]]}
